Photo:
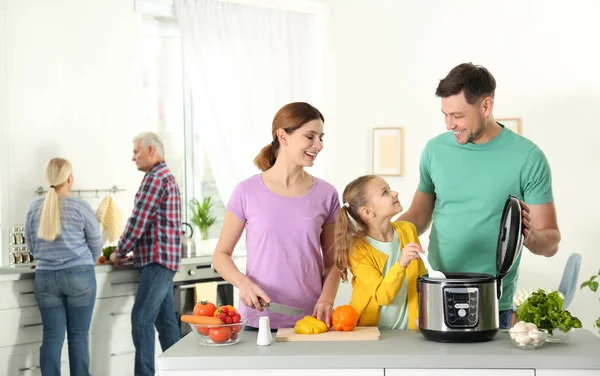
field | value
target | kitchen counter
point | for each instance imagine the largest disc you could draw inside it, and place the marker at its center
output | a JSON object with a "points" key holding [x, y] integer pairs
{"points": [[14, 273], [397, 349]]}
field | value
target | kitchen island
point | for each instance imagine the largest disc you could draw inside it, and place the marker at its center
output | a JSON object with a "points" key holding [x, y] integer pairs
{"points": [[399, 352]]}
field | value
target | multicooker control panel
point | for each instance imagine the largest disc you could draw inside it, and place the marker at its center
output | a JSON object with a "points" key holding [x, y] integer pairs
{"points": [[461, 308]]}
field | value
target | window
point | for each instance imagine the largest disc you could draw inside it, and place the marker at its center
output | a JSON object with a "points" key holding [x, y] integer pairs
{"points": [[166, 110]]}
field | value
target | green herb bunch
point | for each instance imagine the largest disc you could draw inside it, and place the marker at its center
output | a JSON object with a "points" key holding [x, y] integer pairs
{"points": [[592, 284], [107, 251], [546, 312]]}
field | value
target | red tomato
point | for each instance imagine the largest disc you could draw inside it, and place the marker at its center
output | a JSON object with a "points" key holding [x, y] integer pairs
{"points": [[236, 329], [204, 309], [220, 334], [203, 329]]}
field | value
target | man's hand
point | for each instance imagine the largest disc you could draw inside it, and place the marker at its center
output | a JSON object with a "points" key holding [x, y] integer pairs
{"points": [[117, 261], [540, 229], [528, 231]]}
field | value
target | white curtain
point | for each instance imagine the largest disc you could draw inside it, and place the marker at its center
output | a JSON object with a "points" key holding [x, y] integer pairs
{"points": [[243, 63]]}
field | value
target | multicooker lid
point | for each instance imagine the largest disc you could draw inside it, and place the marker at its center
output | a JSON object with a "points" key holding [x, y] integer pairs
{"points": [[510, 238]]}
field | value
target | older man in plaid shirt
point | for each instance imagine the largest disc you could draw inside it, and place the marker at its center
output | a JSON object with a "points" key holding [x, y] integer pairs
{"points": [[153, 233]]}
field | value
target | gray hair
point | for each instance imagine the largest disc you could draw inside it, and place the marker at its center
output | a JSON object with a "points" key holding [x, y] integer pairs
{"points": [[151, 139]]}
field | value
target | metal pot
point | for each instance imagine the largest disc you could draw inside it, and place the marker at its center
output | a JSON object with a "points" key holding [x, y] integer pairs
{"points": [[189, 246], [464, 306]]}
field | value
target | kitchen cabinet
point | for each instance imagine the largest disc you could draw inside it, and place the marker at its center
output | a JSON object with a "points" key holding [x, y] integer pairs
{"points": [[284, 372], [461, 372], [17, 294], [111, 348], [571, 372]]}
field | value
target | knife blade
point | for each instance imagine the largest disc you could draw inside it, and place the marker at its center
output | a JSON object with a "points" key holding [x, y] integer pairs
{"points": [[282, 308]]}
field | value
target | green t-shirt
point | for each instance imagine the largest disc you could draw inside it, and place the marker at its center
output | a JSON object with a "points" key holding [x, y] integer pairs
{"points": [[395, 315], [471, 184]]}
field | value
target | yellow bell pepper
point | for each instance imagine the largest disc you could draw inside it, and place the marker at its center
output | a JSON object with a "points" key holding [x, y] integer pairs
{"points": [[310, 325]]}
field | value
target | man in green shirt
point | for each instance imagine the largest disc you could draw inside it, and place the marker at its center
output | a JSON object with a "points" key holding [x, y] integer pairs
{"points": [[466, 176]]}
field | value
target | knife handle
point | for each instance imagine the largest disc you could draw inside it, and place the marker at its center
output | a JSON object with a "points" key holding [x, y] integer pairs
{"points": [[262, 302]]}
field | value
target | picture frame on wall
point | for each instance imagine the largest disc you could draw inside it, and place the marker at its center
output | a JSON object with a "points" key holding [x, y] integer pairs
{"points": [[388, 151], [514, 124]]}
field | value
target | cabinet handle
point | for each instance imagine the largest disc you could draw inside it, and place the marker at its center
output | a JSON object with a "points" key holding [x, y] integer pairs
{"points": [[30, 325], [28, 368], [122, 353], [120, 313], [124, 283], [27, 292], [35, 367], [192, 285]]}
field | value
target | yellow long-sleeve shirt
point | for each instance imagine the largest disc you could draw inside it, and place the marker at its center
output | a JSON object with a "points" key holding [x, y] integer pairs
{"points": [[370, 289]]}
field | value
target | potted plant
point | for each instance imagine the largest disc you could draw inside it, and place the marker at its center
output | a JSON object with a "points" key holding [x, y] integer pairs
{"points": [[593, 285], [201, 216]]}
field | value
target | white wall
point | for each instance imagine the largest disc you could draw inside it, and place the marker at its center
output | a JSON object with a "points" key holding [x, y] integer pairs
{"points": [[384, 62], [3, 122], [72, 80]]}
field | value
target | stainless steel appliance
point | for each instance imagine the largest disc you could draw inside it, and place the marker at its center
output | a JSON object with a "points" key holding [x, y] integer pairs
{"points": [[184, 289], [189, 245], [464, 306]]}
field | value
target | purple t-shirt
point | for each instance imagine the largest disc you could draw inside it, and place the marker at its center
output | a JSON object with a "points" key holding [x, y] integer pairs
{"points": [[283, 244]]}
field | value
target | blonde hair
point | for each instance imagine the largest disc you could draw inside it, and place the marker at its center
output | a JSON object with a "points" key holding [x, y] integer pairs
{"points": [[151, 139], [289, 118], [57, 173], [349, 225]]}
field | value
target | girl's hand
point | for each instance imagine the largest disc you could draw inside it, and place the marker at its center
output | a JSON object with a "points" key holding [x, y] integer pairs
{"points": [[250, 295], [323, 311], [411, 251]]}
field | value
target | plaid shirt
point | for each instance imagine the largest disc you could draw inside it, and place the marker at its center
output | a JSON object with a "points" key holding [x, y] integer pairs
{"points": [[154, 230]]}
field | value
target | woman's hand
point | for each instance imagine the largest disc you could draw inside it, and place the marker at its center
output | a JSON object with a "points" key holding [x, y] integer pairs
{"points": [[324, 311], [250, 295], [410, 252]]}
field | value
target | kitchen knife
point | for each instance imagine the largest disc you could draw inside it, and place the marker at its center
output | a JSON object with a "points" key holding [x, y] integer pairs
{"points": [[281, 308]]}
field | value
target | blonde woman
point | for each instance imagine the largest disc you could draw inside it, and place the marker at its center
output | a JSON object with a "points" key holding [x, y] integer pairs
{"points": [[64, 236]]}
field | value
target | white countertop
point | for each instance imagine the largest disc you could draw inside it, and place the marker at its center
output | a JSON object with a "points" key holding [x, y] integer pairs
{"points": [[396, 349], [14, 273]]}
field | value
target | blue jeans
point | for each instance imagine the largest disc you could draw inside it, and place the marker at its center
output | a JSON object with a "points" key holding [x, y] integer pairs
{"points": [[505, 319], [154, 306], [66, 300]]}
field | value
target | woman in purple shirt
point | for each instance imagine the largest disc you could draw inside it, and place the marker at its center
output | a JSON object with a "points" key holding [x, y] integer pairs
{"points": [[289, 218]]}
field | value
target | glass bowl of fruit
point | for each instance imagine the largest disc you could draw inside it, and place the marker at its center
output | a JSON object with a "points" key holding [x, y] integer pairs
{"points": [[224, 326], [218, 334]]}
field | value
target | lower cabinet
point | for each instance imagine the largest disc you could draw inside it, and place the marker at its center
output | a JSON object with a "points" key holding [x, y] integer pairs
{"points": [[569, 372], [460, 372], [280, 372], [111, 346]]}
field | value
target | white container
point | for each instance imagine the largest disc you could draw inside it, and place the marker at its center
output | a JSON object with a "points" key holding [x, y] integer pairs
{"points": [[264, 332]]}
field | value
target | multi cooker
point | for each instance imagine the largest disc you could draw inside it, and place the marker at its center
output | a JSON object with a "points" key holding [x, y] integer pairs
{"points": [[464, 306]]}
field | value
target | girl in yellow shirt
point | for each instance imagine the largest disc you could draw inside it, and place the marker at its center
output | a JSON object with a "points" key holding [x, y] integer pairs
{"points": [[382, 256]]}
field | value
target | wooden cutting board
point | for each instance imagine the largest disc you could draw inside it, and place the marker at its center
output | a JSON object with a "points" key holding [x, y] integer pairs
{"points": [[361, 333]]}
